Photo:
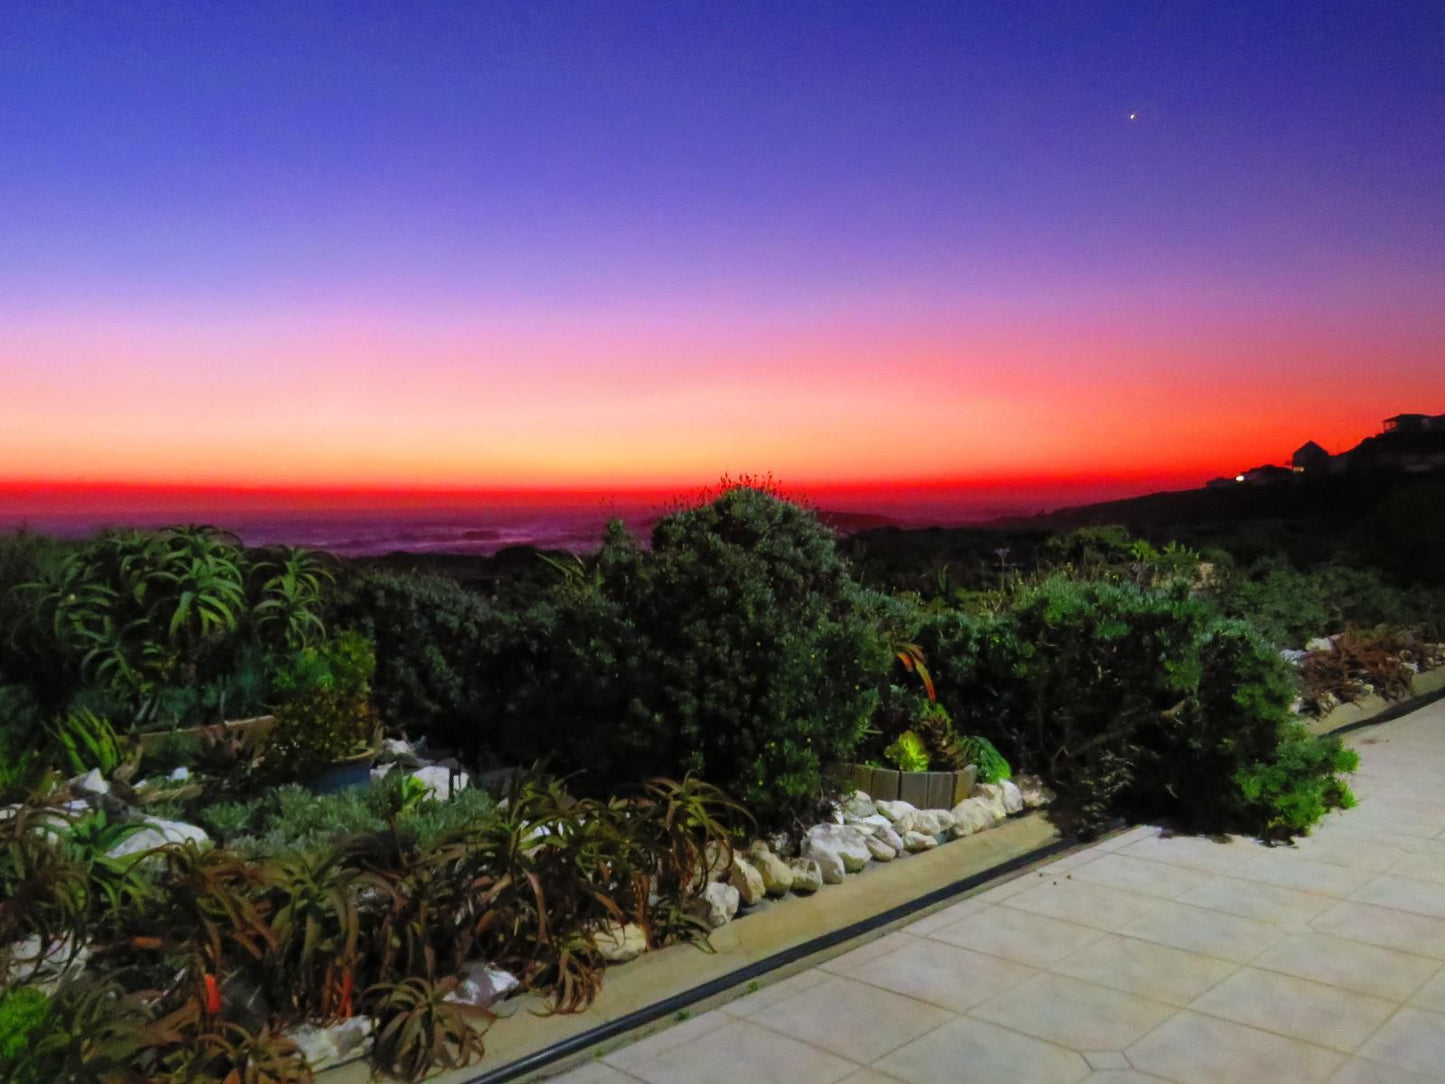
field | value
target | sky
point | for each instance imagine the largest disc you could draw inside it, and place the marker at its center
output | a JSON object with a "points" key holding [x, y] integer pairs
{"points": [[993, 251]]}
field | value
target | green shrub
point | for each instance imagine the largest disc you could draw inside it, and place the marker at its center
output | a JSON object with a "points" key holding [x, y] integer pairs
{"points": [[316, 729], [736, 649], [980, 752], [23, 1015], [1299, 784], [441, 652], [1132, 700], [345, 664], [908, 753]]}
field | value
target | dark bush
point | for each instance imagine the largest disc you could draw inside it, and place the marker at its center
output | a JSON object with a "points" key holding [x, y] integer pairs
{"points": [[735, 648], [440, 653], [1137, 701]]}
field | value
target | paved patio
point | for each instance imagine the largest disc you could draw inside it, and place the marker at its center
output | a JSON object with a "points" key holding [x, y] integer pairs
{"points": [[1140, 958]]}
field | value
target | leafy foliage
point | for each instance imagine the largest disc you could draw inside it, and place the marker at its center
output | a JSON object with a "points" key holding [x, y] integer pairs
{"points": [[908, 753], [418, 1029], [83, 740], [736, 649], [1127, 698], [980, 752]]}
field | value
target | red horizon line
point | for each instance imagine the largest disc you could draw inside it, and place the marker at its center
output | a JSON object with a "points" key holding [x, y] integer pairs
{"points": [[107, 487]]}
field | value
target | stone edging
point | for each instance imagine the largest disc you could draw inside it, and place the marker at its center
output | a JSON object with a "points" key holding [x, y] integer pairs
{"points": [[1425, 689]]}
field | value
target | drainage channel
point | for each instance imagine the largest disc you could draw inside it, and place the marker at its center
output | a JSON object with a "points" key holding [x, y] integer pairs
{"points": [[669, 1006]]}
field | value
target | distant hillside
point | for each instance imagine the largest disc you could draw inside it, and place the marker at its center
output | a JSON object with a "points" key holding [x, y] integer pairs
{"points": [[1330, 498]]}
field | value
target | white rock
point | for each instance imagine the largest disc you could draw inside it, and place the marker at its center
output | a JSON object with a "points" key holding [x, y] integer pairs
{"points": [[323, 1047], [1035, 793], [856, 804], [870, 824], [1013, 799], [1292, 655], [180, 774], [890, 837], [1321, 643], [381, 772], [880, 851], [932, 822], [748, 882], [894, 810], [917, 841], [396, 749], [717, 904], [27, 962], [483, 985], [438, 781], [807, 875], [92, 782], [617, 943], [777, 875], [972, 815], [837, 848], [158, 833], [992, 793]]}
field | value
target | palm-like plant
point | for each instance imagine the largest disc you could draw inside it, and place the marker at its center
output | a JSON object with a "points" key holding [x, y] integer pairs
{"points": [[289, 587]]}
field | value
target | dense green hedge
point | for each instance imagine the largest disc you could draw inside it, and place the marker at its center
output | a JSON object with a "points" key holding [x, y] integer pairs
{"points": [[735, 648], [1138, 700]]}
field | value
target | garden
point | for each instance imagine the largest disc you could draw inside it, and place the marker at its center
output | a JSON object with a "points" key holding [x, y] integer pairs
{"points": [[265, 810]]}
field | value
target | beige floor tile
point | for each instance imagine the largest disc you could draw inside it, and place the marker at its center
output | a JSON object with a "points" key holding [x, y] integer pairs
{"points": [[1411, 1039], [595, 1073], [1371, 833], [1384, 926], [1192, 1048], [1254, 899], [1145, 968], [871, 950], [1405, 894], [1017, 935], [1079, 1015], [1088, 904], [1125, 838], [744, 1051], [1106, 1059], [1010, 888], [1349, 965], [1356, 854], [1129, 874], [1289, 868], [941, 974], [1364, 1071], [1425, 867], [852, 1019], [947, 916], [1195, 852], [1324, 1015], [1122, 1076], [1432, 994], [1199, 929], [869, 1076], [772, 993], [966, 1049], [628, 1057], [1406, 818]]}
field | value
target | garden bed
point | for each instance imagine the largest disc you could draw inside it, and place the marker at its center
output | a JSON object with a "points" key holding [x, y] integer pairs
{"points": [[776, 935]]}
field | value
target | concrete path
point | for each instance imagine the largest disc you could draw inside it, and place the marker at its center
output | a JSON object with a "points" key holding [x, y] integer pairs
{"points": [[1141, 958]]}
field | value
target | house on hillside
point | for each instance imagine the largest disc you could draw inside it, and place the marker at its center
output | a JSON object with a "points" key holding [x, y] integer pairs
{"points": [[1414, 423], [1310, 458], [1412, 443], [1263, 476]]}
